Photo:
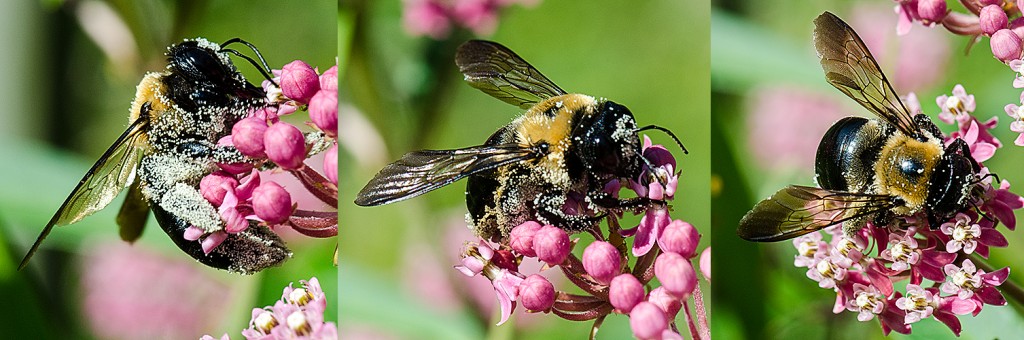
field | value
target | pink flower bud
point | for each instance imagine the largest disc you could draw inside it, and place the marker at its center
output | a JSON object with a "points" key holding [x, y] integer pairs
{"points": [[931, 11], [668, 303], [624, 292], [602, 261], [679, 237], [329, 80], [503, 258], [521, 238], [285, 145], [331, 163], [215, 185], [247, 136], [323, 111], [299, 81], [676, 274], [705, 263], [552, 245], [1005, 45], [536, 293], [272, 203], [647, 321], [992, 19], [1017, 26]]}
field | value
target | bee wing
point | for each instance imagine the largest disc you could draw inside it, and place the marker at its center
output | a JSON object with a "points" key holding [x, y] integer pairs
{"points": [[99, 186], [501, 73], [797, 210], [849, 66], [133, 214], [419, 172]]}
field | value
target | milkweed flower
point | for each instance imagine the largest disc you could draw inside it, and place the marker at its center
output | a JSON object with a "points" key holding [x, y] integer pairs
{"points": [[663, 251], [910, 249], [245, 191], [298, 315]]}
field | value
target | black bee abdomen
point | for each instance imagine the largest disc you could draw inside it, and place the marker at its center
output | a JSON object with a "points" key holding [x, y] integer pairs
{"points": [[846, 154]]}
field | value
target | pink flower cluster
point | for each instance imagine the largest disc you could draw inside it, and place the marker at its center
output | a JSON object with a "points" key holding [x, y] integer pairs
{"points": [[299, 314], [271, 145], [985, 18], [912, 250], [664, 249], [1002, 23], [435, 18]]}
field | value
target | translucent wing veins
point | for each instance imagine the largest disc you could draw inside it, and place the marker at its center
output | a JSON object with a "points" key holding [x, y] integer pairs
{"points": [[114, 169]]}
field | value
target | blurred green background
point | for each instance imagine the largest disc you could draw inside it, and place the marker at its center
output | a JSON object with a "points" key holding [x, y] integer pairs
{"points": [[72, 68], [401, 93], [771, 107]]}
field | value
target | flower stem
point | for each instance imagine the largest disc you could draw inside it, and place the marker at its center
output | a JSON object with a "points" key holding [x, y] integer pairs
{"points": [[694, 334], [702, 313]]}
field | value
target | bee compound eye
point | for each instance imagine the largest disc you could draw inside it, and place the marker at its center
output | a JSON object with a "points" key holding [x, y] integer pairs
{"points": [[911, 167]]}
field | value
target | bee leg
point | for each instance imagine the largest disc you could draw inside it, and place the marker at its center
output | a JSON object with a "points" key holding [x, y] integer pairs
{"points": [[927, 124], [959, 145], [227, 154], [608, 202], [552, 209]]}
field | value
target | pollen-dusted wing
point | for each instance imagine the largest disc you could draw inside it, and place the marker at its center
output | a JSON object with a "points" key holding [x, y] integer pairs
{"points": [[419, 172]]}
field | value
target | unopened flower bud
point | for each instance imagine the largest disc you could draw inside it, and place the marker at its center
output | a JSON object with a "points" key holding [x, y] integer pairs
{"points": [[679, 237], [931, 11], [536, 293], [1005, 45], [299, 81], [676, 274], [668, 303], [705, 263], [285, 145], [552, 245], [331, 163], [992, 18], [647, 321], [624, 292], [329, 80], [602, 261], [247, 136], [272, 203], [521, 238], [215, 185], [323, 111]]}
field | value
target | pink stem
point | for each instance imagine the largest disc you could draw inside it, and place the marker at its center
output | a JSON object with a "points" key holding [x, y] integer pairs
{"points": [[317, 184]]}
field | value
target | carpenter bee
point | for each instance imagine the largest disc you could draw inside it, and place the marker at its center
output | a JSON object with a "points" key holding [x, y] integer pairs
{"points": [[175, 121], [867, 169], [549, 165]]}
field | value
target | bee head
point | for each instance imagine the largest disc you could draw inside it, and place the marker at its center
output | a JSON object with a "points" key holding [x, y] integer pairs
{"points": [[608, 144], [199, 60]]}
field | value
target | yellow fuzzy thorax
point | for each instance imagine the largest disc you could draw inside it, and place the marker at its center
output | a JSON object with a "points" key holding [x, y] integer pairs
{"points": [[552, 121], [890, 181]]}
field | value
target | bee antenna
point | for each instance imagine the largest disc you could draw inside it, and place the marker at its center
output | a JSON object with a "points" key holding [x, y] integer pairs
{"points": [[666, 131], [265, 70]]}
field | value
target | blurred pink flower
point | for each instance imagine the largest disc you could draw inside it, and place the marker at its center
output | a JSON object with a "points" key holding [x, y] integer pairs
{"points": [[785, 125], [129, 292]]}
